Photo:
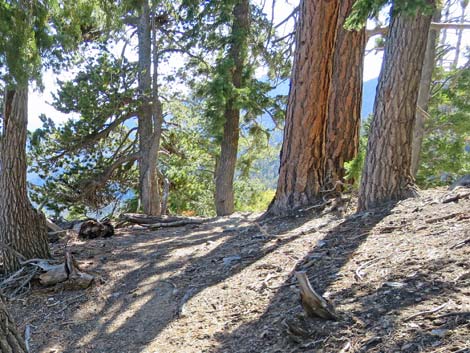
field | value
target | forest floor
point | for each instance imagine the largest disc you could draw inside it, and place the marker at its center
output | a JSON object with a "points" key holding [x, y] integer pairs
{"points": [[399, 277]]}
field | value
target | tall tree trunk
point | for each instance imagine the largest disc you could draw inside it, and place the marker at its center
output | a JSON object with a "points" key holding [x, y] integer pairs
{"points": [[157, 112], [10, 339], [225, 170], [387, 171], [23, 231], [424, 95], [323, 116], [148, 182], [344, 101]]}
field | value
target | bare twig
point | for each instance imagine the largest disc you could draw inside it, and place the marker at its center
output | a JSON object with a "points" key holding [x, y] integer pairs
{"points": [[426, 312], [181, 308], [460, 244], [456, 197], [346, 347], [443, 218], [454, 313], [363, 267], [27, 337]]}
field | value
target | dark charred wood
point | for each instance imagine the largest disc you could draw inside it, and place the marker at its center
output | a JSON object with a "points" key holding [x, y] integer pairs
{"points": [[93, 229]]}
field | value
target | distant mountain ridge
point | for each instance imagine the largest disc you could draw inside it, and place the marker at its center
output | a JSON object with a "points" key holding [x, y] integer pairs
{"points": [[368, 96]]}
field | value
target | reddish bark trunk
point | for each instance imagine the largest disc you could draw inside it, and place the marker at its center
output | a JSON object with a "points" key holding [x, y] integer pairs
{"points": [[345, 99], [323, 112]]}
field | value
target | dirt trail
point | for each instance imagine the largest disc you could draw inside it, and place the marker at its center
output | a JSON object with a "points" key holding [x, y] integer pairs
{"points": [[228, 286]]}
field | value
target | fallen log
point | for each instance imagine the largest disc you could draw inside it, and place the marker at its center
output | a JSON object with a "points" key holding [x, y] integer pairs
{"points": [[141, 219], [313, 303], [181, 223]]}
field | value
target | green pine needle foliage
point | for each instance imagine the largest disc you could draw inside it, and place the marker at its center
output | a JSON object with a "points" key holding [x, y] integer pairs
{"points": [[445, 153]]}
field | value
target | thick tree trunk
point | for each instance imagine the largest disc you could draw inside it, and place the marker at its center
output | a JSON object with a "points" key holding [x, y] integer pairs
{"points": [[23, 231], [225, 170], [423, 95], [387, 171], [148, 182], [301, 173], [344, 101], [10, 339]]}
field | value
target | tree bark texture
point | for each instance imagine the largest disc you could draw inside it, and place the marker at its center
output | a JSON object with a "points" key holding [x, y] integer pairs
{"points": [[10, 339], [23, 230], [344, 101], [424, 95], [387, 171], [301, 172], [225, 170], [157, 111], [148, 181]]}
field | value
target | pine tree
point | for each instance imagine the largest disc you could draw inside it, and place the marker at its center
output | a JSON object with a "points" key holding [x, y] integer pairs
{"points": [[387, 171], [322, 120], [30, 34]]}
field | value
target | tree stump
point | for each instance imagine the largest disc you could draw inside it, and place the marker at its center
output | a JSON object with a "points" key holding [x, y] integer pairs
{"points": [[313, 303]]}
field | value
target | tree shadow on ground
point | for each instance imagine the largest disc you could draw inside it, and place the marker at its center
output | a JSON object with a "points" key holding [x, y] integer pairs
{"points": [[156, 278], [371, 316]]}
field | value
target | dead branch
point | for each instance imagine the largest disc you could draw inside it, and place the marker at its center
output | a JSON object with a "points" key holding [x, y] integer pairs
{"points": [[443, 218], [182, 306], [456, 197], [460, 244], [439, 25], [86, 189], [88, 140], [173, 224], [434, 27], [141, 219], [453, 313], [53, 227], [313, 303], [365, 265], [426, 312], [27, 337]]}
